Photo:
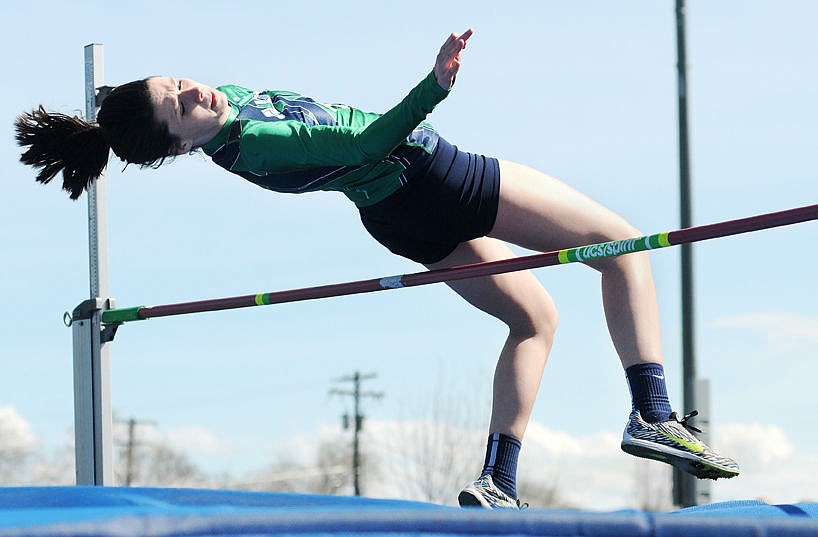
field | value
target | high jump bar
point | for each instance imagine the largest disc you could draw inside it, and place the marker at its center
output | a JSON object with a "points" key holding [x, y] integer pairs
{"points": [[579, 254]]}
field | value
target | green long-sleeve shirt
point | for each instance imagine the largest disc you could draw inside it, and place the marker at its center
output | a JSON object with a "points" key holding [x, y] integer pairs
{"points": [[286, 142]]}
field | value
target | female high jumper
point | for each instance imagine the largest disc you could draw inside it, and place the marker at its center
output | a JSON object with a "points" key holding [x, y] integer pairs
{"points": [[423, 199]]}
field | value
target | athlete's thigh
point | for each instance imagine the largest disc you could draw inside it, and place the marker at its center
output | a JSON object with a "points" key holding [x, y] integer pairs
{"points": [[517, 298], [541, 213]]}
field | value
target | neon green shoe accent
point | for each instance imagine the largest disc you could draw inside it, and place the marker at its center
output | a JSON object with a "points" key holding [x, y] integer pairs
{"points": [[695, 448]]}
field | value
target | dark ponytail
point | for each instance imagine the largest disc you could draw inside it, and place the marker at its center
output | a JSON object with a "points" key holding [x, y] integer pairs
{"points": [[125, 123], [59, 142]]}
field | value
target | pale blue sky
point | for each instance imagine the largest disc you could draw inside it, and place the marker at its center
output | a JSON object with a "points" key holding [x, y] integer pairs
{"points": [[585, 91]]}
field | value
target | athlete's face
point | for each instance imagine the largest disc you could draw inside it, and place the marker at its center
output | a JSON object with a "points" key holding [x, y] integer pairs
{"points": [[193, 112]]}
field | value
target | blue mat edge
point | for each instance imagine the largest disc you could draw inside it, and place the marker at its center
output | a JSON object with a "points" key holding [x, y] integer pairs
{"points": [[162, 512]]}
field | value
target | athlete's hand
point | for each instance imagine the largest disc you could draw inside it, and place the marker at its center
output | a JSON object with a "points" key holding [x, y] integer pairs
{"points": [[448, 59]]}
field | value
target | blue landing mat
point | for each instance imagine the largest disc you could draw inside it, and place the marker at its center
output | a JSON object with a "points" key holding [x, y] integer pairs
{"points": [[123, 512]]}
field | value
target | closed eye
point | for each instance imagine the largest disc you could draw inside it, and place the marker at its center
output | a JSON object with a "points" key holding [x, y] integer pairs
{"points": [[181, 104]]}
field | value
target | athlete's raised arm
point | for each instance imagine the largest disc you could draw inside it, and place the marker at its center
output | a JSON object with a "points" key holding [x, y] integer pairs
{"points": [[448, 59]]}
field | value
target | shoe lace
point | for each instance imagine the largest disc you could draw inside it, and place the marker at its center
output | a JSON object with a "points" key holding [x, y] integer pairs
{"points": [[522, 505], [684, 420]]}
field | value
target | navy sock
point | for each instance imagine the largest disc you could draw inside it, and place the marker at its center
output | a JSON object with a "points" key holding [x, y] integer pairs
{"points": [[502, 452], [648, 391]]}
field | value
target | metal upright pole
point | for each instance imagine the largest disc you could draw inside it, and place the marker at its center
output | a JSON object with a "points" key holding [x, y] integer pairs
{"points": [[92, 373], [685, 485], [703, 420]]}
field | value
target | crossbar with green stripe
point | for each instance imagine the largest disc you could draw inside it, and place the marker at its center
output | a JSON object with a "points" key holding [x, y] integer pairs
{"points": [[580, 254], [613, 248]]}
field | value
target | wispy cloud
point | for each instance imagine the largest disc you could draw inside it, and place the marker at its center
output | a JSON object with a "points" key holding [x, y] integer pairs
{"points": [[196, 440], [15, 431], [772, 467], [192, 440], [588, 471], [778, 328]]}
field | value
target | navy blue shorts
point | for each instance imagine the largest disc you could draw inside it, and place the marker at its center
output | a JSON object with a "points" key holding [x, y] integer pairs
{"points": [[452, 201]]}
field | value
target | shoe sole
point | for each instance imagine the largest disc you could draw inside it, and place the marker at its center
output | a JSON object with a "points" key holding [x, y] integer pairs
{"points": [[685, 462], [469, 499]]}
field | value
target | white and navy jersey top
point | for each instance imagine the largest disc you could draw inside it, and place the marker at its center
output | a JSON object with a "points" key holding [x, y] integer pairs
{"points": [[287, 142]]}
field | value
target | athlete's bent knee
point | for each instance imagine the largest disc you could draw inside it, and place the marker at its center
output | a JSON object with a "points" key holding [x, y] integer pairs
{"points": [[619, 230], [536, 318]]}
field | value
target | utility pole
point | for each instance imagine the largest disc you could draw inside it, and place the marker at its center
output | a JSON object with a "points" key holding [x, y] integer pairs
{"points": [[129, 453], [358, 420], [687, 491], [130, 446]]}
